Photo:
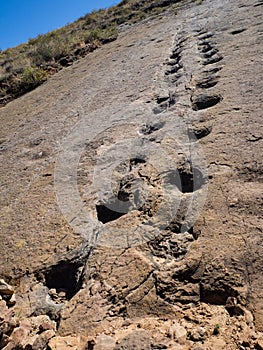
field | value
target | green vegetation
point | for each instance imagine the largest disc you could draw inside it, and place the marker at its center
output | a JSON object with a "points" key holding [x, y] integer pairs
{"points": [[32, 77], [216, 330], [28, 65]]}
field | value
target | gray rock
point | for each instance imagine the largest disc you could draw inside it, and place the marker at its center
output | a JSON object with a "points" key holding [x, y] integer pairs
{"points": [[137, 340], [198, 334]]}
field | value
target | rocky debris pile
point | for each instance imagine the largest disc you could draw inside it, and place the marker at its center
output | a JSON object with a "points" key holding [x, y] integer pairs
{"points": [[22, 333], [196, 326]]}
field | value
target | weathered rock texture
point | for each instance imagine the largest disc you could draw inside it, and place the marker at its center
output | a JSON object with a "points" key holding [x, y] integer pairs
{"points": [[161, 131]]}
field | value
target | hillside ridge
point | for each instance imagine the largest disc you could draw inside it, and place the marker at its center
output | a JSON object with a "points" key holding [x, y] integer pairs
{"points": [[29, 65]]}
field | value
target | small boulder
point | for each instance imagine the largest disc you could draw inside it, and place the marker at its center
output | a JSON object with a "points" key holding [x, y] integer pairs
{"points": [[67, 343], [18, 339], [198, 334], [104, 342], [43, 323], [178, 333], [42, 340], [136, 340]]}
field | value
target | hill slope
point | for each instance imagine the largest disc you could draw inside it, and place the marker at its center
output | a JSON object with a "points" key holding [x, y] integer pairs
{"points": [[28, 65], [132, 190]]}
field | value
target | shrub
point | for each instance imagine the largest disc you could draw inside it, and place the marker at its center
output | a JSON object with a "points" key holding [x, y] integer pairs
{"points": [[123, 2], [216, 330], [43, 53], [32, 77], [93, 35], [48, 50], [109, 34], [100, 35]]}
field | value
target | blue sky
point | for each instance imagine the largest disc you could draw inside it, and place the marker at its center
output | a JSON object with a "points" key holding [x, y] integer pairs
{"points": [[21, 20]]}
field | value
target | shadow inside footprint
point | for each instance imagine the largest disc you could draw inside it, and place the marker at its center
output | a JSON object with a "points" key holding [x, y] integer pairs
{"points": [[204, 101]]}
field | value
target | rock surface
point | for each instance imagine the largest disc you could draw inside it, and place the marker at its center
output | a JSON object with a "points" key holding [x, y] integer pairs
{"points": [[132, 191]]}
